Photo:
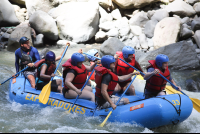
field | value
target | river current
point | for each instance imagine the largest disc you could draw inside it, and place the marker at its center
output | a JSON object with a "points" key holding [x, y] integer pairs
{"points": [[17, 118]]}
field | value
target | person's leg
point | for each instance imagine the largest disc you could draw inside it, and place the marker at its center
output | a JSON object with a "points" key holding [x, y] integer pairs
{"points": [[88, 88], [59, 84], [131, 90], [31, 79], [117, 89], [161, 93]]}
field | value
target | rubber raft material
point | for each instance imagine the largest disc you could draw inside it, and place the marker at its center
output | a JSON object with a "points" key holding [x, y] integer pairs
{"points": [[150, 113]]}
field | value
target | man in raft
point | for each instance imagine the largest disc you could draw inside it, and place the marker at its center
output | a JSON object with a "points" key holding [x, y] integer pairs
{"points": [[28, 56], [106, 81], [155, 84], [75, 75], [121, 68], [45, 70]]}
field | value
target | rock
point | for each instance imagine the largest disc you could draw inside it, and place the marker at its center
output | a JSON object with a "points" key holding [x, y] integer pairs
{"points": [[104, 15], [136, 42], [5, 36], [43, 52], [20, 2], [197, 37], [150, 27], [106, 26], [39, 40], [129, 42], [191, 85], [195, 24], [47, 25], [16, 8], [6, 9], [130, 4], [123, 26], [107, 5], [20, 31], [111, 46], [143, 41], [123, 38], [20, 16], [136, 30], [197, 7], [160, 14], [150, 14], [116, 14], [74, 24], [180, 8], [191, 2], [166, 32], [100, 36], [140, 19], [186, 33], [130, 36], [185, 20], [176, 53], [113, 33], [197, 51], [150, 43]]}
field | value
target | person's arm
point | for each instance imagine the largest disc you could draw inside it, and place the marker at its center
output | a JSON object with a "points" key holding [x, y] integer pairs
{"points": [[59, 57], [42, 72], [116, 56], [126, 77], [90, 68], [137, 65], [16, 62], [68, 82], [150, 73], [173, 82], [37, 57]]}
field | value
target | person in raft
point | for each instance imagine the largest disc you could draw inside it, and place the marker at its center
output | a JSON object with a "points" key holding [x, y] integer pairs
{"points": [[121, 68], [45, 70], [106, 81], [74, 77], [155, 84], [25, 56]]}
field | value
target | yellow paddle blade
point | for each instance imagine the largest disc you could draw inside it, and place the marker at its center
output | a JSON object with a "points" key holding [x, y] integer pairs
{"points": [[44, 95], [139, 76], [195, 102], [103, 123]]}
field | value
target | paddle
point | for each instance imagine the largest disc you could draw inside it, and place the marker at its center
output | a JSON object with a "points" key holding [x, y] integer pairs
{"points": [[14, 75], [44, 95], [81, 89], [102, 124], [196, 102]]}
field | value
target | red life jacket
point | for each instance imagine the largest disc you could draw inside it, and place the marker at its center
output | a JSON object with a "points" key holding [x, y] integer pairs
{"points": [[122, 68], [100, 71], [93, 75], [156, 83], [81, 76], [50, 69]]}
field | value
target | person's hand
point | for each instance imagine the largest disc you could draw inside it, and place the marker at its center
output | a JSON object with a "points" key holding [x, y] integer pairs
{"points": [[113, 106], [156, 71], [30, 64], [179, 88], [136, 73], [67, 44], [98, 62], [78, 92], [53, 75], [14, 76], [80, 51], [116, 56]]}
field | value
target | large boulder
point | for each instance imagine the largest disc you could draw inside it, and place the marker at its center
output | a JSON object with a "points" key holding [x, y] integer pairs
{"points": [[46, 26], [166, 32], [20, 31], [111, 46], [77, 21], [7, 14], [123, 26], [130, 4], [182, 56], [180, 8], [140, 19], [150, 27]]}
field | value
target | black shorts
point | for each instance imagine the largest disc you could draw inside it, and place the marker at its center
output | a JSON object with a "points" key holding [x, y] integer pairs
{"points": [[64, 90], [54, 86]]}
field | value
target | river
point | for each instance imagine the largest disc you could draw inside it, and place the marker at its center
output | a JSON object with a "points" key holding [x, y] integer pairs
{"points": [[17, 118]]}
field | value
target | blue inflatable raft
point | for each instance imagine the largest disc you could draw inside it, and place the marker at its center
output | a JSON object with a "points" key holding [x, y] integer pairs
{"points": [[150, 113]]}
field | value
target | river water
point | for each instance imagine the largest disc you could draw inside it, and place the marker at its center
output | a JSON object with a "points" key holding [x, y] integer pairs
{"points": [[17, 118]]}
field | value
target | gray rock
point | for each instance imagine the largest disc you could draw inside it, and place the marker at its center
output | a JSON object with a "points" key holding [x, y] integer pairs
{"points": [[39, 40], [197, 37], [47, 25], [20, 31], [197, 7], [143, 41], [185, 20], [192, 2], [136, 42], [150, 14], [111, 46], [100, 36], [136, 30], [116, 14], [191, 85], [123, 26], [195, 24], [176, 53], [186, 33], [150, 42], [160, 14], [106, 26], [113, 33], [7, 14], [197, 51], [6, 36], [140, 19], [150, 27], [43, 52]]}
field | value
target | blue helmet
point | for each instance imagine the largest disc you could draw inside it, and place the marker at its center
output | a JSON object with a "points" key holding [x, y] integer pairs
{"points": [[160, 59], [107, 60], [50, 56], [23, 40], [127, 50], [77, 57], [92, 52]]}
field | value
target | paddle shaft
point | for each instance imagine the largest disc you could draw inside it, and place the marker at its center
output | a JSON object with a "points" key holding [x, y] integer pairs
{"points": [[83, 86], [15, 75]]}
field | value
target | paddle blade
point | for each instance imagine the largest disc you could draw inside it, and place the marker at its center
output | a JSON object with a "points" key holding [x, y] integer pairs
{"points": [[139, 76], [196, 104], [44, 95], [103, 123]]}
